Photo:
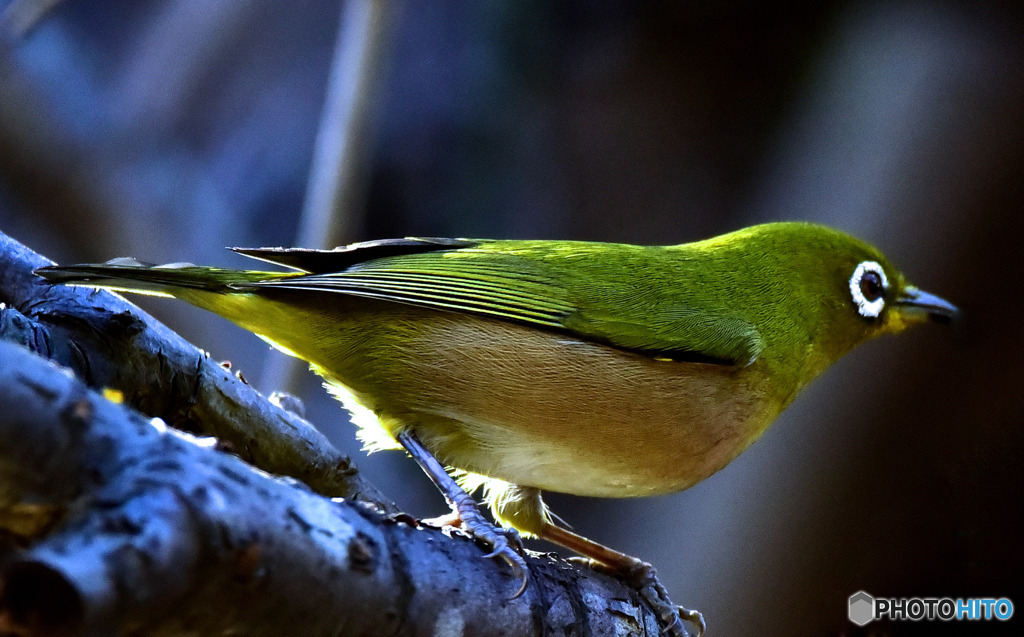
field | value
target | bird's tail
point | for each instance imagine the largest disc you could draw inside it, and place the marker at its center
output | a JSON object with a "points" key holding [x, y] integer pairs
{"points": [[175, 279], [232, 294]]}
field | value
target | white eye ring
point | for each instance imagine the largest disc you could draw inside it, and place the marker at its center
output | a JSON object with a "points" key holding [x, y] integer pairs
{"points": [[869, 308]]}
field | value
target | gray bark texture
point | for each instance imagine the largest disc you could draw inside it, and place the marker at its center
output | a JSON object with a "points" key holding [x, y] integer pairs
{"points": [[115, 523]]}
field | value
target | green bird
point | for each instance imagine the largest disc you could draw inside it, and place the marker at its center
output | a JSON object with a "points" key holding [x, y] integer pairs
{"points": [[596, 369]]}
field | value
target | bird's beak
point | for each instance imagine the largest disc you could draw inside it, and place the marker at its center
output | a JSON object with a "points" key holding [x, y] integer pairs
{"points": [[917, 306]]}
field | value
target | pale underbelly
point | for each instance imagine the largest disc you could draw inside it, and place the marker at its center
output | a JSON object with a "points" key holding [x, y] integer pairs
{"points": [[542, 410]]}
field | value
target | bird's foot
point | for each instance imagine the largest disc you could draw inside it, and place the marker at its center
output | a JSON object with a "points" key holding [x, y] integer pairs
{"points": [[639, 575], [505, 544], [643, 578]]}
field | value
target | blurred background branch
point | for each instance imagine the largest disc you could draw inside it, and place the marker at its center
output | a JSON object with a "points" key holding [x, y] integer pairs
{"points": [[333, 207], [20, 16]]}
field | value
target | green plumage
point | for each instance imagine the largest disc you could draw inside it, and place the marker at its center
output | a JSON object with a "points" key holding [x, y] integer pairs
{"points": [[590, 368], [607, 297]]}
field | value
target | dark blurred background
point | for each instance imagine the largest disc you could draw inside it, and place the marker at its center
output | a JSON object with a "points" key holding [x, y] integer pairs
{"points": [[168, 129]]}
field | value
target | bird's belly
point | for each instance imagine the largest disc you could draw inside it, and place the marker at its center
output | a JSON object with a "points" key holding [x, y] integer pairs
{"points": [[591, 436], [534, 407], [586, 465]]}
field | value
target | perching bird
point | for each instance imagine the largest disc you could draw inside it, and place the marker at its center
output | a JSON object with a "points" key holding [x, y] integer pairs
{"points": [[594, 369]]}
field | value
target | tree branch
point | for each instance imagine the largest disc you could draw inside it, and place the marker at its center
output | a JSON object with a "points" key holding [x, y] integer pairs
{"points": [[110, 343], [156, 532]]}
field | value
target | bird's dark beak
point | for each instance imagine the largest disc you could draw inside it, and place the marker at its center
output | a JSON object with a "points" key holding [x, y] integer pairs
{"points": [[917, 306]]}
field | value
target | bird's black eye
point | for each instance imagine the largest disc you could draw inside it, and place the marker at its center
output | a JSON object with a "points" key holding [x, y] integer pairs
{"points": [[871, 286]]}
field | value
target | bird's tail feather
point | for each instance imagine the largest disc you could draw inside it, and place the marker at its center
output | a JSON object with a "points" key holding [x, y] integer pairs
{"points": [[129, 275]]}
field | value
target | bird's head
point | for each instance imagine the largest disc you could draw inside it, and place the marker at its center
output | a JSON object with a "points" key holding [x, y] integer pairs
{"points": [[820, 292]]}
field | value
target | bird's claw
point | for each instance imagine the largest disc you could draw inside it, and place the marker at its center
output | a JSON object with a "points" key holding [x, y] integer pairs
{"points": [[505, 544], [670, 617], [694, 617]]}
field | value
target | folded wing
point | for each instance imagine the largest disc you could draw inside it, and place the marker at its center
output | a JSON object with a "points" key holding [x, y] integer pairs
{"points": [[550, 285]]}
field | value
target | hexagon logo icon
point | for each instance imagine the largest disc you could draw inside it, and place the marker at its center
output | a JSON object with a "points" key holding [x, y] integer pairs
{"points": [[862, 608]]}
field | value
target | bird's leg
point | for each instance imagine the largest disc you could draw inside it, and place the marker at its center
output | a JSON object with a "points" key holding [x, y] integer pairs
{"points": [[639, 574], [505, 543]]}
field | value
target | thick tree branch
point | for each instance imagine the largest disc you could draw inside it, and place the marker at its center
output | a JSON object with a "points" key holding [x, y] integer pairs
{"points": [[155, 532], [109, 342]]}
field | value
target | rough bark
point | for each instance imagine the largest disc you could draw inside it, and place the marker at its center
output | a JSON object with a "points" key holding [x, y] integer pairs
{"points": [[135, 528], [110, 343]]}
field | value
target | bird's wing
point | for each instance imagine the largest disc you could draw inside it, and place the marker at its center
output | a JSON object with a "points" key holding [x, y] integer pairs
{"points": [[542, 284], [342, 257]]}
